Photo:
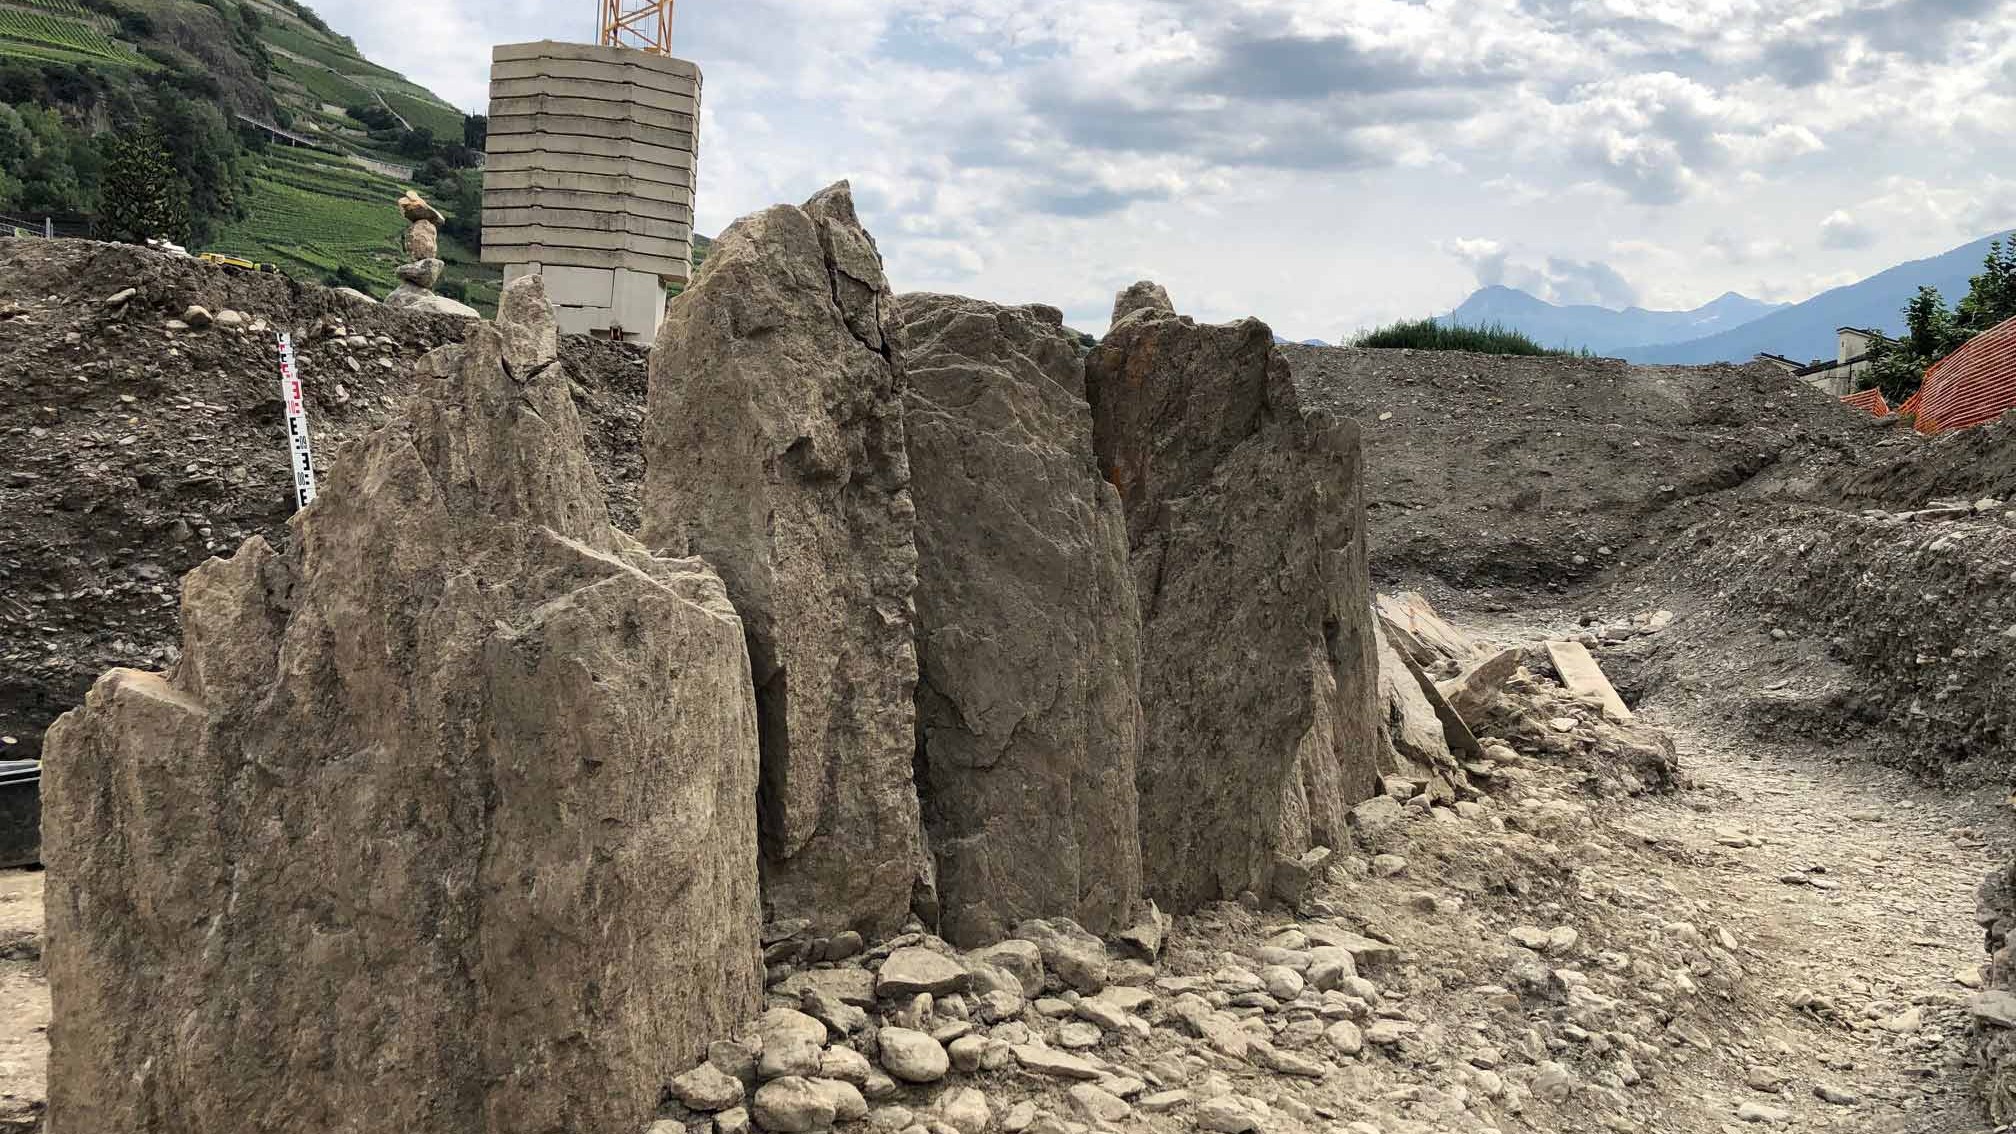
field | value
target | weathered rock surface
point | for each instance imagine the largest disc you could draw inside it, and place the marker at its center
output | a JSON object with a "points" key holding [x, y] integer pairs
{"points": [[420, 299], [1246, 524], [775, 451], [441, 821], [1028, 711]]}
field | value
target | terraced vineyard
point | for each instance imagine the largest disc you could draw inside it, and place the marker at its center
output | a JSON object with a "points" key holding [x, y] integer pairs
{"points": [[63, 32], [445, 122]]}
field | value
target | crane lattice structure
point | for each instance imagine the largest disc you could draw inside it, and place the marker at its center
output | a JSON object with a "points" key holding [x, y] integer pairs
{"points": [[643, 24]]}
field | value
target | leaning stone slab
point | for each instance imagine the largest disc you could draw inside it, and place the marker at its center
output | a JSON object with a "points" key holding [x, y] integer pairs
{"points": [[1584, 678], [774, 450], [442, 821], [1471, 693]]}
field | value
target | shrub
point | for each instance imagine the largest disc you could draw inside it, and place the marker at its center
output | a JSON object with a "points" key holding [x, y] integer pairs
{"points": [[1431, 334]]}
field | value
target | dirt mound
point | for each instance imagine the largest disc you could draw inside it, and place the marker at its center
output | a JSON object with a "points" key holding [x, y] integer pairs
{"points": [[1911, 471], [1813, 622], [1487, 470], [135, 449]]}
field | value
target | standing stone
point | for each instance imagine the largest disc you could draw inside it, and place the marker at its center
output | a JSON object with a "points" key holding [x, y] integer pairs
{"points": [[441, 822], [775, 451], [1028, 709], [1245, 517]]}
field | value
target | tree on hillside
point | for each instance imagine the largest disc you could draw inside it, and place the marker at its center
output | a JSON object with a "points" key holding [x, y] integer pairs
{"points": [[45, 169], [141, 196], [1991, 296], [1894, 370], [1929, 330]]}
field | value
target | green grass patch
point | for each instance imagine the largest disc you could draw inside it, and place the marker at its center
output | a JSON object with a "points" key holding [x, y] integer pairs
{"points": [[1432, 334]]}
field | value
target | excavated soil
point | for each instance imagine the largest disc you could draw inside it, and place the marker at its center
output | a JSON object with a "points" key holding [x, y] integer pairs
{"points": [[1538, 473], [130, 451]]}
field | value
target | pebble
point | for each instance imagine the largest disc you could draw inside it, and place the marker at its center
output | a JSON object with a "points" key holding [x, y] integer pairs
{"points": [[1019, 1117], [793, 1105], [915, 970], [912, 1056], [1226, 1115], [1758, 1112], [1077, 1036], [792, 1044], [707, 1088], [1097, 1104], [1905, 1023], [966, 1110]]}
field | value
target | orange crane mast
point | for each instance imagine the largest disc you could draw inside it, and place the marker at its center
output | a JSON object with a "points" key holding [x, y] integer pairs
{"points": [[643, 24]]}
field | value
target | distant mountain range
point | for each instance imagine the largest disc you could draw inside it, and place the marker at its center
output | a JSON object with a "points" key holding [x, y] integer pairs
{"points": [[1805, 331], [1600, 329], [1733, 328]]}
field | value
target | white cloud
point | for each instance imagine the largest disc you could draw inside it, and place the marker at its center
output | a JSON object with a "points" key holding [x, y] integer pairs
{"points": [[1296, 158], [1840, 229]]}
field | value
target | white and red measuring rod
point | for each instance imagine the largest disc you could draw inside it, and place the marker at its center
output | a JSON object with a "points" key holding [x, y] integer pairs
{"points": [[297, 426]]}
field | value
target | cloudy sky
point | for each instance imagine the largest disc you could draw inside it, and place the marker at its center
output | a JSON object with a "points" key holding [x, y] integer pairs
{"points": [[1329, 164]]}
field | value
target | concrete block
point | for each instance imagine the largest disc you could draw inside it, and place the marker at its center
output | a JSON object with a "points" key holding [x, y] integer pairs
{"points": [[589, 178], [572, 147], [584, 320], [624, 70], [649, 126], [507, 104], [591, 164], [556, 155], [584, 238], [640, 301], [525, 188], [675, 269], [570, 287], [587, 221], [589, 52], [587, 90]]}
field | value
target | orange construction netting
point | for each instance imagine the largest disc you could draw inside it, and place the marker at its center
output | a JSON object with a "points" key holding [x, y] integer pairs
{"points": [[1870, 400], [1974, 384]]}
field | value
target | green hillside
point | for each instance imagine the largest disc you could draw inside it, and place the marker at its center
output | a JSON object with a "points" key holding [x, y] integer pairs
{"points": [[287, 145]]}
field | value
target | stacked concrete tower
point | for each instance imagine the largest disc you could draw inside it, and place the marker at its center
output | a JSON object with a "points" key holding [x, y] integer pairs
{"points": [[589, 179]]}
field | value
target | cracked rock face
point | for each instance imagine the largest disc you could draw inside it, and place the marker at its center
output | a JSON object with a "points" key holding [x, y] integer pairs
{"points": [[442, 821], [775, 451], [1028, 719], [1245, 519]]}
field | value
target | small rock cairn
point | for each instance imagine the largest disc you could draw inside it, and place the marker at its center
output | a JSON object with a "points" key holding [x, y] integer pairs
{"points": [[423, 242]]}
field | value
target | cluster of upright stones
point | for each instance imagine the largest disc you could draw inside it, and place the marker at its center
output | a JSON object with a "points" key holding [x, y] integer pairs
{"points": [[939, 621]]}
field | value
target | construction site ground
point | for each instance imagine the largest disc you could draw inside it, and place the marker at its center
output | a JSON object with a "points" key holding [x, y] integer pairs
{"points": [[1787, 942], [1847, 888]]}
